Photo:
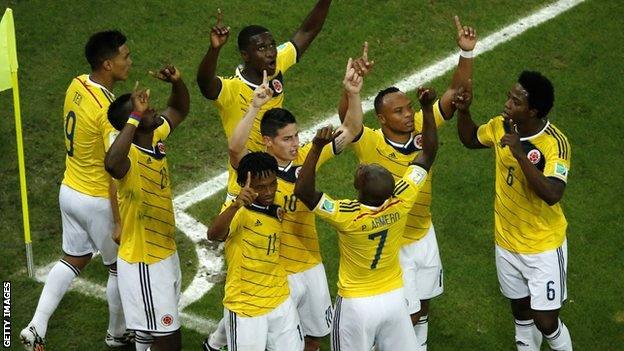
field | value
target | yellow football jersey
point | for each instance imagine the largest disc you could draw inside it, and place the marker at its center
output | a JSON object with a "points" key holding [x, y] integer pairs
{"points": [[300, 246], [236, 95], [524, 223], [369, 238], [86, 129], [256, 282], [145, 203], [373, 147]]}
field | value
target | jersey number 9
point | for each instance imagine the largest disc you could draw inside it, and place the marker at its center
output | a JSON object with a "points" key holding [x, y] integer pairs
{"points": [[70, 128]]}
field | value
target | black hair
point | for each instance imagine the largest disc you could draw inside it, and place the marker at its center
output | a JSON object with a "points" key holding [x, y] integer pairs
{"points": [[259, 164], [378, 184], [103, 46], [380, 96], [274, 120], [248, 32], [119, 110], [541, 92]]}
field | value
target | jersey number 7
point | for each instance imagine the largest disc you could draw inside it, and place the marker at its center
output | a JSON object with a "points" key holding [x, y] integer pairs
{"points": [[380, 246]]}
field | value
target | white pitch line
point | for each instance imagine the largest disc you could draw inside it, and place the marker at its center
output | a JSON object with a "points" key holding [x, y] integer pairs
{"points": [[212, 186], [85, 287], [210, 262]]}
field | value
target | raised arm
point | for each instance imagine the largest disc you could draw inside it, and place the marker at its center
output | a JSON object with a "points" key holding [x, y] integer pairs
{"points": [[236, 144], [179, 101], [116, 161], [362, 66], [466, 41], [466, 128], [425, 159], [207, 80], [311, 27], [352, 122], [305, 187], [220, 226], [548, 189]]}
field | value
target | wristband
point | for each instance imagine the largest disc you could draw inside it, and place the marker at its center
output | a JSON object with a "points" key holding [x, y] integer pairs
{"points": [[134, 118], [466, 54]]}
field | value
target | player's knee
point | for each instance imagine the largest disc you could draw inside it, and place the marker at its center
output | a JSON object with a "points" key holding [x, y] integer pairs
{"points": [[424, 307], [547, 322], [312, 343], [521, 308], [80, 262]]}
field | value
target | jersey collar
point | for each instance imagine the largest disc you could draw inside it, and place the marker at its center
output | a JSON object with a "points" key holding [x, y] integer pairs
{"points": [[240, 76], [375, 208], [285, 168], [104, 89], [406, 149], [536, 134]]}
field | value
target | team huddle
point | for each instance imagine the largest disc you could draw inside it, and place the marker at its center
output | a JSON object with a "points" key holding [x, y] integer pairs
{"points": [[116, 199]]}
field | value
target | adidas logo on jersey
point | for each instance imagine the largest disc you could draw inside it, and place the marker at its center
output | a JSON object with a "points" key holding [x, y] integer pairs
{"points": [[258, 223], [392, 154]]}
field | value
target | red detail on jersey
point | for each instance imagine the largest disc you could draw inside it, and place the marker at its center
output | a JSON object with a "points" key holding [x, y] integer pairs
{"points": [[534, 156], [166, 320], [418, 141], [277, 86], [161, 147], [87, 88]]}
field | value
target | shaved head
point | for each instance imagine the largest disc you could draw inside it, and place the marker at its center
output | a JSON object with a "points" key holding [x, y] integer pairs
{"points": [[374, 183]]}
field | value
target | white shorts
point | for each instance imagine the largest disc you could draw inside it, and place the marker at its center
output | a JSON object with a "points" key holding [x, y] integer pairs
{"points": [[150, 294], [422, 270], [275, 331], [541, 276], [87, 225], [310, 294], [382, 320]]}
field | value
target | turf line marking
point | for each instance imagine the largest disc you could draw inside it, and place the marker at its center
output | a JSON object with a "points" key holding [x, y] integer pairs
{"points": [[85, 287], [210, 260]]}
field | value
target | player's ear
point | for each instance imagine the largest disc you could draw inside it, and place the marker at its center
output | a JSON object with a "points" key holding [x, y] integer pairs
{"points": [[107, 65], [533, 113], [382, 118], [267, 140], [244, 55]]}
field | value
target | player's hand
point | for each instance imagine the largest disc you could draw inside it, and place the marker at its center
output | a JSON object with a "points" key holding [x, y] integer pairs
{"points": [[512, 139], [219, 33], [362, 65], [352, 81], [140, 98], [116, 235], [262, 94], [325, 136], [168, 74], [426, 96], [462, 97], [247, 195], [466, 36]]}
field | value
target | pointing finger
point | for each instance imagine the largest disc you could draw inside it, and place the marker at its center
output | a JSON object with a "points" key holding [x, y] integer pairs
{"points": [[458, 24], [248, 181], [219, 16], [365, 51], [265, 80]]}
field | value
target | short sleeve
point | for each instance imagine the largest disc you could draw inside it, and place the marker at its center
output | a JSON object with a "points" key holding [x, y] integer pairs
{"points": [[408, 187], [162, 132], [236, 221], [227, 94], [558, 159], [364, 142], [485, 133], [339, 213], [286, 56], [438, 116]]}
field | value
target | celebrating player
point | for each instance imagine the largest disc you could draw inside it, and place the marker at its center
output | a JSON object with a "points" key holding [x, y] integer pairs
{"points": [[85, 195], [258, 310], [149, 268], [300, 251], [532, 164], [370, 307], [394, 146], [259, 53]]}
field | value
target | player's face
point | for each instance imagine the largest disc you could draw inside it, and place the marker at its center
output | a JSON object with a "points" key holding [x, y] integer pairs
{"points": [[285, 145], [517, 105], [150, 120], [120, 64], [397, 113], [265, 187], [261, 53]]}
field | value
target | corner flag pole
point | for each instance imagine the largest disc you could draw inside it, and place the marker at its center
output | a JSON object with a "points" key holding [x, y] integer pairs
{"points": [[9, 60]]}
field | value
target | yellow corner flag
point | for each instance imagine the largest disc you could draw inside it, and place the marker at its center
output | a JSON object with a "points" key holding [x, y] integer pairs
{"points": [[8, 54], [8, 80]]}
